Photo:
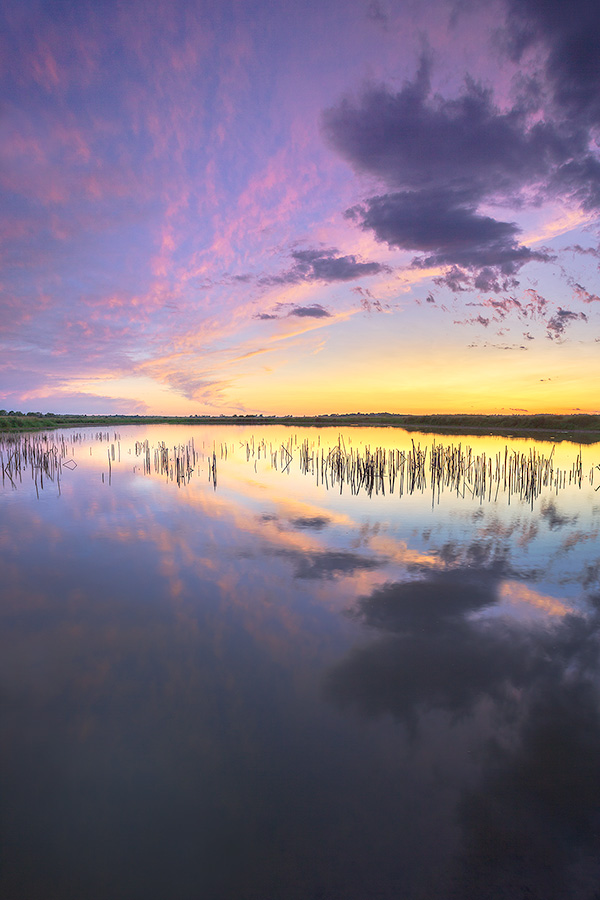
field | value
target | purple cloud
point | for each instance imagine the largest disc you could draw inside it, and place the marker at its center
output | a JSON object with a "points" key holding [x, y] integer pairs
{"points": [[569, 33], [556, 326], [324, 265], [442, 160], [582, 294], [316, 311]]}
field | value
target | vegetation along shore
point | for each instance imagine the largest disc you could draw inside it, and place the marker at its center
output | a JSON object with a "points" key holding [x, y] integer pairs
{"points": [[580, 427]]}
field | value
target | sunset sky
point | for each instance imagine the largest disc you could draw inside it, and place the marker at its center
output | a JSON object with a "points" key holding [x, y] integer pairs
{"points": [[300, 207]]}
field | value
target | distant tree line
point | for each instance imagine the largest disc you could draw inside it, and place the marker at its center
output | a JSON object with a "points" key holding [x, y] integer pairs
{"points": [[579, 425]]}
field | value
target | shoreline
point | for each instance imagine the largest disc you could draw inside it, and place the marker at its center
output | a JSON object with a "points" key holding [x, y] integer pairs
{"points": [[580, 428]]}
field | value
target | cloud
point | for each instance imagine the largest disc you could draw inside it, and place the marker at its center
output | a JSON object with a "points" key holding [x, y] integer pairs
{"points": [[425, 629], [483, 252], [324, 265], [501, 308], [316, 523], [328, 564], [252, 353], [553, 518], [478, 320], [570, 35], [73, 402], [529, 817], [532, 819], [315, 311], [584, 251], [532, 307], [582, 294], [368, 301], [376, 14], [433, 652], [442, 160], [556, 326]]}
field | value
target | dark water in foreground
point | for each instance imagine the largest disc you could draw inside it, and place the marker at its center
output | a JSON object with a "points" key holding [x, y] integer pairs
{"points": [[265, 688]]}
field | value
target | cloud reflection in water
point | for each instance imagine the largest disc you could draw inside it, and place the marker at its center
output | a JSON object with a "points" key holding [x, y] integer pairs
{"points": [[530, 824], [187, 709]]}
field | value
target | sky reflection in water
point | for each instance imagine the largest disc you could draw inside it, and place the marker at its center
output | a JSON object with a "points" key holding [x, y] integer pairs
{"points": [[270, 690]]}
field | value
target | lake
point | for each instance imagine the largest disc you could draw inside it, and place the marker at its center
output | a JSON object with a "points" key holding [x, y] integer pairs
{"points": [[298, 663]]}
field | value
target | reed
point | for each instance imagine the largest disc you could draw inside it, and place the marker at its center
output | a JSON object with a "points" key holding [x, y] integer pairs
{"points": [[437, 468], [452, 468], [34, 452]]}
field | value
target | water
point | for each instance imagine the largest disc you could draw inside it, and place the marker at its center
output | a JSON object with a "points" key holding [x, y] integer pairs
{"points": [[250, 682]]}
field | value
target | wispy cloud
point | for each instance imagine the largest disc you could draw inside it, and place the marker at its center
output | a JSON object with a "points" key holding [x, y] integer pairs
{"points": [[175, 202]]}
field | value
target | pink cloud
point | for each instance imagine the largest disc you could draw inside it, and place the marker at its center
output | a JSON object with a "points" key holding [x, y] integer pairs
{"points": [[581, 294]]}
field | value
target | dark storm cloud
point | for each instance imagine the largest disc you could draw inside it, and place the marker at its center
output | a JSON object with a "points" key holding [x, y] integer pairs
{"points": [[324, 265], [442, 159]]}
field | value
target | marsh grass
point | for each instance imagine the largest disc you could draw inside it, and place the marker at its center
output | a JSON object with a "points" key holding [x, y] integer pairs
{"points": [[440, 468], [581, 427], [437, 467]]}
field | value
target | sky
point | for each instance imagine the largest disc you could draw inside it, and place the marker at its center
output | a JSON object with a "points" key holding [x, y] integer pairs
{"points": [[250, 206]]}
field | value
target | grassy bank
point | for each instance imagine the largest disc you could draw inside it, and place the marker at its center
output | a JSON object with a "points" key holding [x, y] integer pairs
{"points": [[581, 427]]}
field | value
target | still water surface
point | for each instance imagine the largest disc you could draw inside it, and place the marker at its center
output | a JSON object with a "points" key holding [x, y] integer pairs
{"points": [[250, 682]]}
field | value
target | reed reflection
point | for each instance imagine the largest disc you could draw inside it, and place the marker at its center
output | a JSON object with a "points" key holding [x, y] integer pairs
{"points": [[482, 472]]}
